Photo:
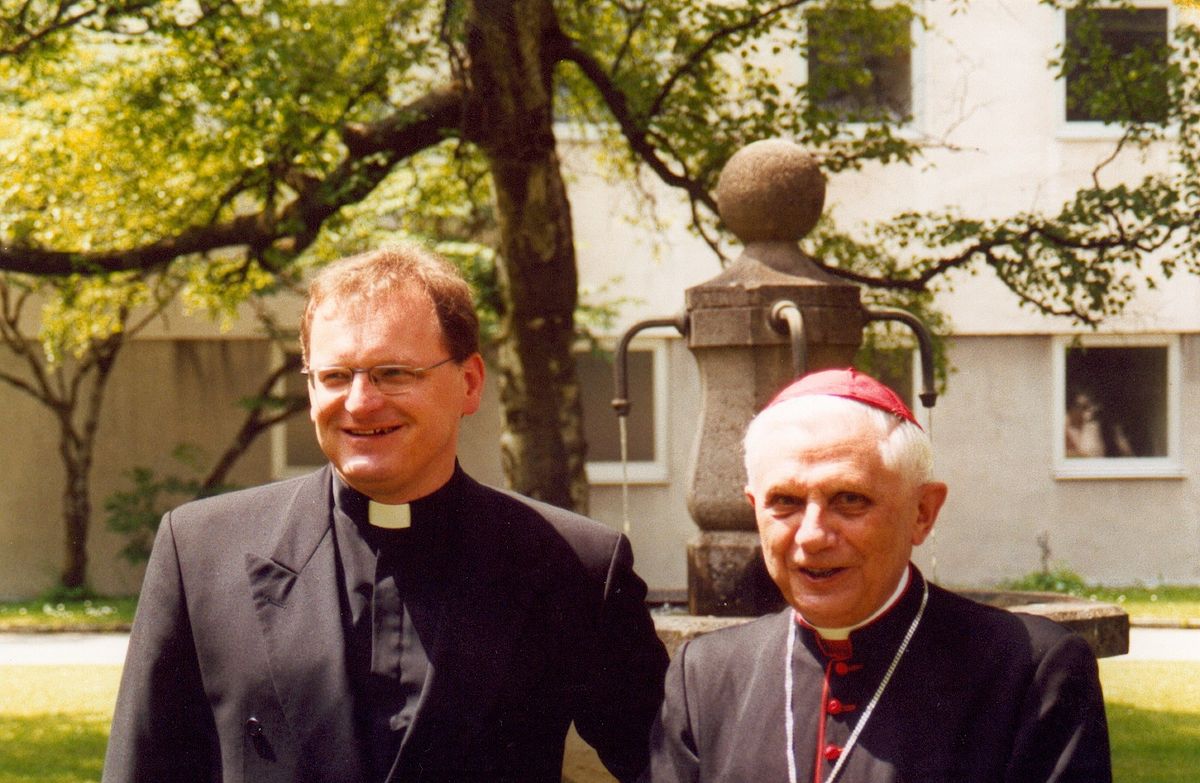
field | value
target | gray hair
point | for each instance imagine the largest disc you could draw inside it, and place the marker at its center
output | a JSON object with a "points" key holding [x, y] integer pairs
{"points": [[904, 446]]}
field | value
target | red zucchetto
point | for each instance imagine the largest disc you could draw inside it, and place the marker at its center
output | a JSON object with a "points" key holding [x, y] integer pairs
{"points": [[848, 383]]}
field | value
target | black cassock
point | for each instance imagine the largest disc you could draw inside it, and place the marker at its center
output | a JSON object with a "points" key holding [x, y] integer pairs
{"points": [[980, 695]]}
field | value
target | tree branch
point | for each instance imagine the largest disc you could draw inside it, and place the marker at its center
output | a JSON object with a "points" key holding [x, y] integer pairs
{"points": [[634, 133], [701, 52], [372, 151]]}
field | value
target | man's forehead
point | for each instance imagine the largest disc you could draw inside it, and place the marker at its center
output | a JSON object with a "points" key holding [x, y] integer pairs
{"points": [[807, 442]]}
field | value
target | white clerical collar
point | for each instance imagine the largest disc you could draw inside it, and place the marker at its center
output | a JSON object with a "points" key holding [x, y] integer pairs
{"points": [[841, 634], [388, 516]]}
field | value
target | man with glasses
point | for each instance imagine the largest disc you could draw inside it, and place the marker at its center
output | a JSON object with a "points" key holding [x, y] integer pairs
{"points": [[386, 618]]}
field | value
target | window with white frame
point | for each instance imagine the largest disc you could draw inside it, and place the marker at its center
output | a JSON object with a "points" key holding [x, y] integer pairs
{"points": [[1117, 407], [860, 61], [1113, 60], [645, 426]]}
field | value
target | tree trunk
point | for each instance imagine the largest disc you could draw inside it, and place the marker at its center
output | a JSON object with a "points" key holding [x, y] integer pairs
{"points": [[77, 447], [77, 508], [509, 115]]}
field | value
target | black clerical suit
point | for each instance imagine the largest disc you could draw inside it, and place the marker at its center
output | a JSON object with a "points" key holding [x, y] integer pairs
{"points": [[981, 695], [251, 653]]}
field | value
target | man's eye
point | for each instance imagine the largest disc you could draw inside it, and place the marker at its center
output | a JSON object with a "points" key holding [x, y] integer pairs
{"points": [[335, 376], [784, 503], [852, 502], [393, 374]]}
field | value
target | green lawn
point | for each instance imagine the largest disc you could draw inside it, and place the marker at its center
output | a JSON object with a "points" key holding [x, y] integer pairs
{"points": [[1176, 604], [54, 721], [99, 614], [1154, 720]]}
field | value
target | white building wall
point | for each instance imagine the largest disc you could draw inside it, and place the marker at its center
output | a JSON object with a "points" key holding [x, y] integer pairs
{"points": [[992, 113]]}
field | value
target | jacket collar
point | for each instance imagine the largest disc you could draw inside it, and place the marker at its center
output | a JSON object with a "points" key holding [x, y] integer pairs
{"points": [[296, 596]]}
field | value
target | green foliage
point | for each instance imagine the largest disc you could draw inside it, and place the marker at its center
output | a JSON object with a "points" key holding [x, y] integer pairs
{"points": [[179, 123], [135, 513], [1114, 78], [60, 594], [847, 43], [68, 610], [1056, 580], [134, 125]]}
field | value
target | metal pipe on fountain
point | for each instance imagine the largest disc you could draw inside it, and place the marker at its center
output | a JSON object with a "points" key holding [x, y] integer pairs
{"points": [[787, 318], [621, 403], [928, 392]]}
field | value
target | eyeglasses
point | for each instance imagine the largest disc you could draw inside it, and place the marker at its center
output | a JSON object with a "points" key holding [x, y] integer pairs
{"points": [[388, 378]]}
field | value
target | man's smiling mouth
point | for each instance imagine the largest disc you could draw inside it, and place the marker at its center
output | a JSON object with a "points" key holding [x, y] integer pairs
{"points": [[820, 573], [372, 432]]}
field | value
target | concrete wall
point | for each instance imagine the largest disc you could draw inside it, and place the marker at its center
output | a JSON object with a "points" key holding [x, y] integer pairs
{"points": [[994, 440], [162, 393]]}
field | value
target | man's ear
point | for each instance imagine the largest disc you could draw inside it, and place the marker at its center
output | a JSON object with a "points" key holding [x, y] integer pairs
{"points": [[473, 375], [930, 497]]}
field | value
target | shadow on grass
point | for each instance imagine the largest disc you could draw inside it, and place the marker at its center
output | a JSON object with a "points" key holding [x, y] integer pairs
{"points": [[52, 748], [1153, 747]]}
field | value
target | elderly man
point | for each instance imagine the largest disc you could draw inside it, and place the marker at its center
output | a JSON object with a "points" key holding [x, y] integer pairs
{"points": [[871, 673], [385, 618]]}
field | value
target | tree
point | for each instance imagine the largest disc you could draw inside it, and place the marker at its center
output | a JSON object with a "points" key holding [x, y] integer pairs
{"points": [[146, 135]]}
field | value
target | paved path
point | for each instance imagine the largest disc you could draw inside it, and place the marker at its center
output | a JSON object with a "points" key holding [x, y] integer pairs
{"points": [[1157, 644], [62, 648]]}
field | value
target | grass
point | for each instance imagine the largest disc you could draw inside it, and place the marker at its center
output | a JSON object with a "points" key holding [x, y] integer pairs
{"points": [[1167, 603], [1154, 719], [54, 721], [98, 614]]}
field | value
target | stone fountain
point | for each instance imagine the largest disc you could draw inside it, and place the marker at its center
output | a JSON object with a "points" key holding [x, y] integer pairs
{"points": [[773, 314]]}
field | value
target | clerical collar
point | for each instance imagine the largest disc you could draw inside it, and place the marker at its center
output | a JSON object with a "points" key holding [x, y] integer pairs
{"points": [[389, 516], [368, 513], [841, 634]]}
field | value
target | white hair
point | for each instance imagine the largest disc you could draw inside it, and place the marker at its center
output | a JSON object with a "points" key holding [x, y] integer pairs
{"points": [[903, 446]]}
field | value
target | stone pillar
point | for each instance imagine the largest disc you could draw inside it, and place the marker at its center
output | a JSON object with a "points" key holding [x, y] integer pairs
{"points": [[770, 195]]}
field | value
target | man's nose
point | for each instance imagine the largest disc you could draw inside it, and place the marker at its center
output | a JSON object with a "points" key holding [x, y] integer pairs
{"points": [[816, 530], [363, 394]]}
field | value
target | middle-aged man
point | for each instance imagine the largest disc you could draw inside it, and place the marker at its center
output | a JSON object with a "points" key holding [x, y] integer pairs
{"points": [[386, 618], [871, 673]]}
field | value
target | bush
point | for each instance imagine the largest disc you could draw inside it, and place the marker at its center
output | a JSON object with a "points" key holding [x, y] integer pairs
{"points": [[1055, 580], [137, 512]]}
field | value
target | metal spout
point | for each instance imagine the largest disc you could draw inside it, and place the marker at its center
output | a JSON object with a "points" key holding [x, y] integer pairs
{"points": [[621, 403], [787, 318], [928, 393]]}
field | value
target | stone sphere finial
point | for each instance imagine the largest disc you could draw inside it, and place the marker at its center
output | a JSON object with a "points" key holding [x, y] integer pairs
{"points": [[771, 191]]}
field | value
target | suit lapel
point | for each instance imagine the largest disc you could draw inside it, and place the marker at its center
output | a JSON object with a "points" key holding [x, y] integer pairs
{"points": [[297, 600]]}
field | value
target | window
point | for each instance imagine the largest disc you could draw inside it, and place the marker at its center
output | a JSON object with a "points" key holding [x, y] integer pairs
{"points": [[1114, 64], [294, 446], [860, 61], [1116, 407], [645, 429]]}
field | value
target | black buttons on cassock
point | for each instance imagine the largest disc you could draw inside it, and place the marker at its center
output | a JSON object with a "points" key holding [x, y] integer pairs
{"points": [[254, 727]]}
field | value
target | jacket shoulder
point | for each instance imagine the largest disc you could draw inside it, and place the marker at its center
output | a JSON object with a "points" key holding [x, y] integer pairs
{"points": [[959, 617], [591, 540]]}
